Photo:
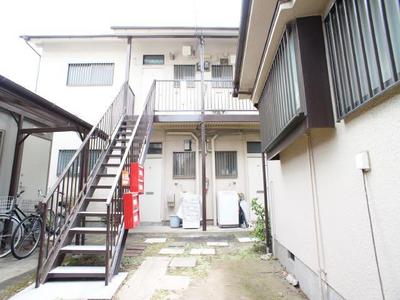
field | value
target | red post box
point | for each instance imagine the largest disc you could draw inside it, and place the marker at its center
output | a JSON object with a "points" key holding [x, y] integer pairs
{"points": [[137, 178], [131, 210]]}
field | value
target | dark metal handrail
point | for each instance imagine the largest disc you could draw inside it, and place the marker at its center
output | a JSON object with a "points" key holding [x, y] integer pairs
{"points": [[140, 138], [185, 96], [69, 190]]}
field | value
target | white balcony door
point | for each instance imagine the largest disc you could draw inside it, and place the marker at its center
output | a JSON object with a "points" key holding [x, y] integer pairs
{"points": [[255, 181], [150, 201]]}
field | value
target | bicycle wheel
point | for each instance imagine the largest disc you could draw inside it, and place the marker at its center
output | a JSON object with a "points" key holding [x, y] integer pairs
{"points": [[8, 226], [31, 230]]}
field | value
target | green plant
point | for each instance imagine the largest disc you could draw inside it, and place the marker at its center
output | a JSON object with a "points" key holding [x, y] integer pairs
{"points": [[258, 231]]}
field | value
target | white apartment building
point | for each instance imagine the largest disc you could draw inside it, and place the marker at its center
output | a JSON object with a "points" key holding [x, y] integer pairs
{"points": [[83, 74], [325, 75]]}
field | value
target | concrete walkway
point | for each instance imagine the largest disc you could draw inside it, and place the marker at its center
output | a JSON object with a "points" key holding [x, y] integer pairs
{"points": [[151, 276], [12, 269]]}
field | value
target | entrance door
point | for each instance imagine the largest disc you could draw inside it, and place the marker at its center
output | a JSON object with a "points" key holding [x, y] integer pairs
{"points": [[255, 181], [150, 201]]}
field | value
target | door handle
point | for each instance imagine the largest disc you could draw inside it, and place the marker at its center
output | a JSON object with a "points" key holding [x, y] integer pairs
{"points": [[260, 192], [149, 193]]}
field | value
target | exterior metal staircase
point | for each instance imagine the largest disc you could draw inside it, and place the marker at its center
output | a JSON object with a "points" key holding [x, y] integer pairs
{"points": [[87, 196]]}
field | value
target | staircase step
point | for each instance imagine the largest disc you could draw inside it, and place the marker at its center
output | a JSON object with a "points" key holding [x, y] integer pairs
{"points": [[101, 186], [94, 199], [85, 249], [92, 213], [106, 175], [88, 230], [114, 155], [121, 140], [110, 165], [77, 272], [118, 147]]}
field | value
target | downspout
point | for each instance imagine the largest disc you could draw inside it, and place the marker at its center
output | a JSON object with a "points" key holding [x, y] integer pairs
{"points": [[197, 155], [268, 236], [127, 73], [26, 39], [213, 179]]}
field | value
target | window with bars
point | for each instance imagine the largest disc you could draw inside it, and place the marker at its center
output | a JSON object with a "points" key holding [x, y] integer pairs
{"points": [[226, 164], [184, 73], [90, 74], [222, 73], [64, 157], [184, 165], [363, 41]]}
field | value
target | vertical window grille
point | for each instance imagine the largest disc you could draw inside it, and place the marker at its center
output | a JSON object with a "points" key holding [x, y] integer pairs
{"points": [[184, 165], [184, 73], [90, 74], [226, 164], [280, 102], [223, 73], [364, 50], [64, 157]]}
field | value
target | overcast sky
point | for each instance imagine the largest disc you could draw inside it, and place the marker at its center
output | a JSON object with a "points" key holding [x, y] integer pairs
{"points": [[27, 17]]}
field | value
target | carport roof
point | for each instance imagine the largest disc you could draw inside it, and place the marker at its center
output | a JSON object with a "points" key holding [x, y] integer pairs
{"points": [[22, 101]]}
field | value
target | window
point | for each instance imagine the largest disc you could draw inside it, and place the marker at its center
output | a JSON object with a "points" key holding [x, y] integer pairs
{"points": [[155, 148], [364, 50], [88, 74], [226, 164], [183, 73], [223, 73], [153, 59], [64, 157], [253, 147], [184, 165]]}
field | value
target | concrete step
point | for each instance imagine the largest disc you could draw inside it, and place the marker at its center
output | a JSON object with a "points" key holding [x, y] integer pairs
{"points": [[88, 230], [77, 272]]}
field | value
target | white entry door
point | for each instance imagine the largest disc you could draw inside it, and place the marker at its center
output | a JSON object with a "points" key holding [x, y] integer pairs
{"points": [[255, 182], [150, 201], [149, 75]]}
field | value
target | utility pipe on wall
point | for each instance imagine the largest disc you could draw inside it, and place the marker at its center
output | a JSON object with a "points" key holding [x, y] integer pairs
{"points": [[213, 179]]}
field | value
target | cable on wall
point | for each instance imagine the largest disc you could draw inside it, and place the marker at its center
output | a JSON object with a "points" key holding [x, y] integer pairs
{"points": [[372, 233]]}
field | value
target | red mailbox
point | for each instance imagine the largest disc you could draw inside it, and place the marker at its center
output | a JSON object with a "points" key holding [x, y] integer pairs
{"points": [[131, 210], [137, 178]]}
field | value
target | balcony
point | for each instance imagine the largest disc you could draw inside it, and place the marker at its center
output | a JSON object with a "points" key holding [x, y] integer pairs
{"points": [[180, 101]]}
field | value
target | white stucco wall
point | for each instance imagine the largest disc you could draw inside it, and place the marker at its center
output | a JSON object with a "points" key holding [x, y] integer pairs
{"points": [[226, 141], [347, 253], [89, 103]]}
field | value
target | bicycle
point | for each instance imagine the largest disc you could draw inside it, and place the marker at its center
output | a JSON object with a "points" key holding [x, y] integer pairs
{"points": [[10, 217], [30, 229]]}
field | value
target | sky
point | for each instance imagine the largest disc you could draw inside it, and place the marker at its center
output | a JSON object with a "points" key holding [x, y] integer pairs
{"points": [[36, 17]]}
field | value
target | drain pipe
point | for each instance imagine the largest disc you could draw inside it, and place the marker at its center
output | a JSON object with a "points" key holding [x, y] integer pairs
{"points": [[26, 39], [186, 133], [213, 179]]}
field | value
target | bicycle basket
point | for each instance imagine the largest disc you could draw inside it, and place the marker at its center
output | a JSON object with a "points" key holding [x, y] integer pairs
{"points": [[28, 206], [7, 204]]}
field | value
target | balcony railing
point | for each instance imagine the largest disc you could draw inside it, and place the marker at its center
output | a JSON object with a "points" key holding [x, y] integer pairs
{"points": [[185, 96]]}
